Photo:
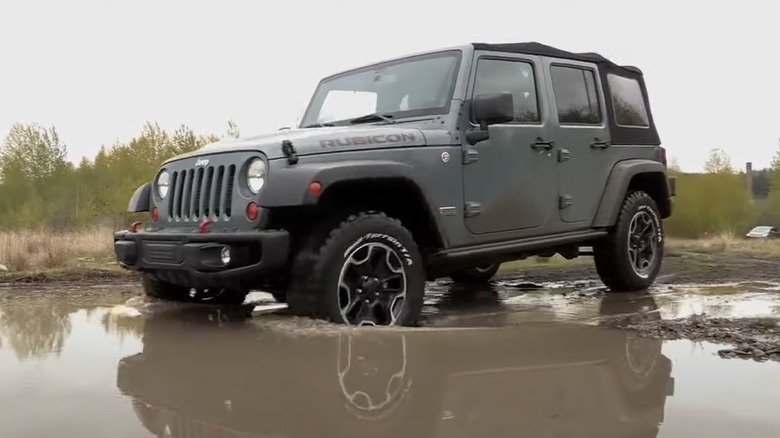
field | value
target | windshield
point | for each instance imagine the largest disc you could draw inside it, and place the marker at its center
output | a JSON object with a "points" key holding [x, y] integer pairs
{"points": [[416, 86]]}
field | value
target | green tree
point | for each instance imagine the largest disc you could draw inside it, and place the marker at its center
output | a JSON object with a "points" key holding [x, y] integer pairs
{"points": [[761, 183], [35, 175], [713, 202], [718, 162], [773, 205]]}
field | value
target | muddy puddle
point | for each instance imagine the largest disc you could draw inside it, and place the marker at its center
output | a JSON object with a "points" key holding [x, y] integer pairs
{"points": [[514, 358]]}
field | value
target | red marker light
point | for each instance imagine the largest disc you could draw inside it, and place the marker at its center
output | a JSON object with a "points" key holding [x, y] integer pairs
{"points": [[315, 188], [203, 228], [252, 211], [155, 214]]}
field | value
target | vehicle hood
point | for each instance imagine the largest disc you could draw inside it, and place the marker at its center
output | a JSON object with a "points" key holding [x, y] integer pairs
{"points": [[319, 140]]}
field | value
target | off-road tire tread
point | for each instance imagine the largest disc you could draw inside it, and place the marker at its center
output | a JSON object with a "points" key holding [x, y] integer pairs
{"points": [[304, 297], [608, 256]]}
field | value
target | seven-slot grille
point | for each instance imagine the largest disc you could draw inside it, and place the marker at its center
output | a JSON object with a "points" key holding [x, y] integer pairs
{"points": [[202, 192]]}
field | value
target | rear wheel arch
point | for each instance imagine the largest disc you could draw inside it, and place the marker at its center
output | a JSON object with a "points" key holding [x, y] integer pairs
{"points": [[630, 176]]}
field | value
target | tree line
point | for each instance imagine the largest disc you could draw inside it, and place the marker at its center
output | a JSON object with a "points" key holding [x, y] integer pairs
{"points": [[722, 200], [40, 188]]}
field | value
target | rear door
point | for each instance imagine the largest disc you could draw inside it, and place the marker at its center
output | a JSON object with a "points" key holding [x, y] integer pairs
{"points": [[509, 179], [582, 137]]}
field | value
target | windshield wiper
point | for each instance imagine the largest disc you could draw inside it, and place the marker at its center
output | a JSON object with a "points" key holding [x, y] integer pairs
{"points": [[319, 125], [373, 117]]}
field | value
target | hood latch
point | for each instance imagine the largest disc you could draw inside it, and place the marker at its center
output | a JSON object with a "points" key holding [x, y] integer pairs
{"points": [[289, 151]]}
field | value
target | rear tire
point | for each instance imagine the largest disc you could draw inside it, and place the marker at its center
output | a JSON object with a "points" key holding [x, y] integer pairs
{"points": [[367, 270], [158, 289], [629, 258], [477, 274]]}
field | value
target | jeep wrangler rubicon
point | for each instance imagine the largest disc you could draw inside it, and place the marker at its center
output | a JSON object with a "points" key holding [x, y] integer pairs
{"points": [[444, 163]]}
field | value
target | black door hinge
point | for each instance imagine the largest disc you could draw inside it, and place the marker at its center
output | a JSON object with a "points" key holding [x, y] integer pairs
{"points": [[472, 209], [470, 156]]}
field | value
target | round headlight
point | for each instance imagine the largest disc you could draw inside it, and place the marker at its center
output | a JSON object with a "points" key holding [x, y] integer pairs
{"points": [[255, 175], [163, 180]]}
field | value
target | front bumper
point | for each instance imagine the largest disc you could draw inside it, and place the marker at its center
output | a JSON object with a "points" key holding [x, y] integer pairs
{"points": [[194, 260]]}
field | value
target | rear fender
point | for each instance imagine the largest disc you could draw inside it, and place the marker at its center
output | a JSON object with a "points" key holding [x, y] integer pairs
{"points": [[617, 186]]}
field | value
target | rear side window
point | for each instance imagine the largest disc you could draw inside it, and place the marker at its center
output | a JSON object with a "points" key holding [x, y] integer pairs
{"points": [[575, 95], [517, 77], [628, 102]]}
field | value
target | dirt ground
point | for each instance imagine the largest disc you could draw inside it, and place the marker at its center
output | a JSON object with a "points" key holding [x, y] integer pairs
{"points": [[756, 338], [679, 268]]}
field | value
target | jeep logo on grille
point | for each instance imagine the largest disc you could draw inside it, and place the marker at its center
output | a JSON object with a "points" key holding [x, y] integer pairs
{"points": [[202, 163]]}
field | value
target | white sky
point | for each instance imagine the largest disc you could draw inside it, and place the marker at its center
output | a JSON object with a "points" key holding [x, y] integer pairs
{"points": [[98, 69]]}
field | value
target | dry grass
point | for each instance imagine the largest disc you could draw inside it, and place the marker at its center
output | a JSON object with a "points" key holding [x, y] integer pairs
{"points": [[727, 243], [39, 251], [29, 250]]}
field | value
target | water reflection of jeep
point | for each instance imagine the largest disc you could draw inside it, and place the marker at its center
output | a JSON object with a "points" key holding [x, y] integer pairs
{"points": [[204, 375]]}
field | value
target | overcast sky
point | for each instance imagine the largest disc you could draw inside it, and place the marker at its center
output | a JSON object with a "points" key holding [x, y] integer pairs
{"points": [[98, 69]]}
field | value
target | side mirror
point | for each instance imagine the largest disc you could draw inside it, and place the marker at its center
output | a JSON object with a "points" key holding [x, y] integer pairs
{"points": [[490, 109]]}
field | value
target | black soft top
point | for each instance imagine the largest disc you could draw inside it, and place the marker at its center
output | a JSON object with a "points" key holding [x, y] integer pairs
{"points": [[620, 135]]}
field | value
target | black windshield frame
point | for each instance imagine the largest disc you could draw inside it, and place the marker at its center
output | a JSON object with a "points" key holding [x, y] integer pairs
{"points": [[317, 100]]}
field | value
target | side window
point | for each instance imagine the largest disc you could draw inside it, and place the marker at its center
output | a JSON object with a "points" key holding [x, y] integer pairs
{"points": [[517, 77], [576, 95], [628, 102]]}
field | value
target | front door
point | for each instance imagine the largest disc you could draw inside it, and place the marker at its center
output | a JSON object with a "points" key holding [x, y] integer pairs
{"points": [[582, 137], [511, 186]]}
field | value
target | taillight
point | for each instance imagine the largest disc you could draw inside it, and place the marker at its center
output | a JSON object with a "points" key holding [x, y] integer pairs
{"points": [[663, 156]]}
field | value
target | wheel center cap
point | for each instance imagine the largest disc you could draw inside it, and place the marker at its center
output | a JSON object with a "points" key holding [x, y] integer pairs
{"points": [[370, 285]]}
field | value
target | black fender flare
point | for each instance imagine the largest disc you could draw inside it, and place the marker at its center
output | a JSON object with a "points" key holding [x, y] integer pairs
{"points": [[289, 187], [617, 186], [141, 199]]}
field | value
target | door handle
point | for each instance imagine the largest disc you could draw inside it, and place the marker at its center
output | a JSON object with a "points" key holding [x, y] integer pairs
{"points": [[539, 143], [599, 144]]}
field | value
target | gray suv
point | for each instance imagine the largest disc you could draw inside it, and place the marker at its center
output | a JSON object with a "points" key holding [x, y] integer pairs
{"points": [[441, 164]]}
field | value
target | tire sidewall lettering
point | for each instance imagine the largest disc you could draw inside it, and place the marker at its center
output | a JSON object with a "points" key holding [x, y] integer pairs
{"points": [[384, 238], [656, 220]]}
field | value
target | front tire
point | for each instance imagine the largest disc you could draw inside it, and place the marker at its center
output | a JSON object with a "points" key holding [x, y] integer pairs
{"points": [[629, 258], [366, 271]]}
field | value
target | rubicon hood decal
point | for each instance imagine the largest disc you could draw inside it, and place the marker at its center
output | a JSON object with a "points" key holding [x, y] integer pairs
{"points": [[319, 140], [379, 139]]}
